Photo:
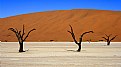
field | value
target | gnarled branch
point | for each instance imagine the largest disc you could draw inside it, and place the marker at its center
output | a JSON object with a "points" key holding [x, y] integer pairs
{"points": [[80, 40], [28, 34], [20, 36], [108, 38], [73, 35], [104, 38], [86, 33], [113, 38]]}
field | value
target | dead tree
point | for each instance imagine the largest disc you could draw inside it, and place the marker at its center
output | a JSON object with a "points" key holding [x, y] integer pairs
{"points": [[108, 39], [20, 36], [80, 39]]}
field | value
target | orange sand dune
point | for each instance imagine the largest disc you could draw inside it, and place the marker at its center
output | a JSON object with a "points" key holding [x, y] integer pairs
{"points": [[53, 25]]}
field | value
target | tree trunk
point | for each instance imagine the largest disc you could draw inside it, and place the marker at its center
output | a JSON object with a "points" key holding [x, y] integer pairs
{"points": [[79, 49], [21, 47], [79, 44], [108, 43]]}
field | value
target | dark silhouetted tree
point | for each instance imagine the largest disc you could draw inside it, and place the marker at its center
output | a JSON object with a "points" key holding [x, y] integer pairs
{"points": [[80, 39], [108, 39], [20, 36]]}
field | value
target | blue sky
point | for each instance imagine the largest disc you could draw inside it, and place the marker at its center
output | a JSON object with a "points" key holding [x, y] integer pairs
{"points": [[17, 7]]}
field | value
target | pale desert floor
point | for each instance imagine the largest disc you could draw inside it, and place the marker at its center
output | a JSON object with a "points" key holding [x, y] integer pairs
{"points": [[60, 54]]}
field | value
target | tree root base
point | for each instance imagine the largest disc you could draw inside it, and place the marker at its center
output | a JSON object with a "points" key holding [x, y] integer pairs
{"points": [[22, 51]]}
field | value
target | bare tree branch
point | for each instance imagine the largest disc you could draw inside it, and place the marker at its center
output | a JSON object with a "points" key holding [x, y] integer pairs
{"points": [[113, 38], [72, 34], [108, 35], [23, 32], [108, 38], [12, 29], [80, 40], [20, 36], [28, 34], [86, 33], [71, 28], [16, 32], [104, 38]]}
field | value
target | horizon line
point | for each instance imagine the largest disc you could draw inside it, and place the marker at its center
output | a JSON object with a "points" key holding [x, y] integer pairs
{"points": [[56, 10]]}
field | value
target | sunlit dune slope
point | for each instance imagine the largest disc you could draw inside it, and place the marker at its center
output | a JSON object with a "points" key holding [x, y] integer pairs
{"points": [[53, 25]]}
